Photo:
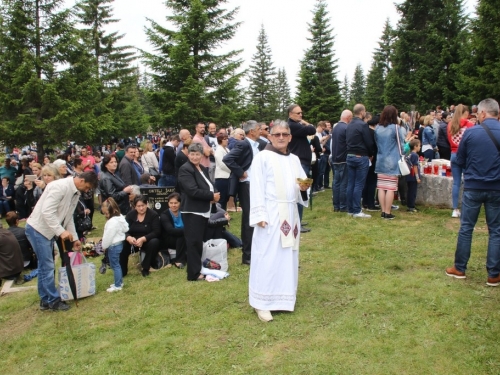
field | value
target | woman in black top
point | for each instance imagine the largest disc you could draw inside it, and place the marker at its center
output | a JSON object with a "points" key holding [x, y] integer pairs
{"points": [[143, 235], [173, 229], [197, 195]]}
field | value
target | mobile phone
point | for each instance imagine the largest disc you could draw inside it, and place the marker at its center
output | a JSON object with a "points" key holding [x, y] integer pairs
{"points": [[30, 177]]}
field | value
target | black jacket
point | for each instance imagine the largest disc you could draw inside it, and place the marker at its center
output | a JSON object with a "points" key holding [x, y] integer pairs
{"points": [[149, 228], [238, 160], [299, 145], [442, 138], [111, 185], [339, 145], [168, 163], [358, 138], [262, 144], [196, 194]]}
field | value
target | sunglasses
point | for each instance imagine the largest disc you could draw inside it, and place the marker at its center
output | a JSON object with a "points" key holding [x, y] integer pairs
{"points": [[281, 135]]}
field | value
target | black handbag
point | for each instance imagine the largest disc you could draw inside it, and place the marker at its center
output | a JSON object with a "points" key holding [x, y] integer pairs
{"points": [[83, 223]]}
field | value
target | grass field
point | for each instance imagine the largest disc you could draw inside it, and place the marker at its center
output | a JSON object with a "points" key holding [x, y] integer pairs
{"points": [[372, 299]]}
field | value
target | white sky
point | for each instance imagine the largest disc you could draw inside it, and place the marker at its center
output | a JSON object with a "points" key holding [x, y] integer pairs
{"points": [[357, 26]]}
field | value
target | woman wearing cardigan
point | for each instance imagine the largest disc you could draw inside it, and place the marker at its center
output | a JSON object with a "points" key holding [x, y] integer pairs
{"points": [[143, 235], [197, 195]]}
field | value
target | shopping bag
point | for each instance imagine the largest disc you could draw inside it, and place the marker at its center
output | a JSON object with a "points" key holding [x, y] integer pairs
{"points": [[84, 275], [216, 250]]}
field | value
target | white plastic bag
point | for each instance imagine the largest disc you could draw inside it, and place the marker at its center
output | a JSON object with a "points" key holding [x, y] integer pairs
{"points": [[84, 275], [216, 250]]}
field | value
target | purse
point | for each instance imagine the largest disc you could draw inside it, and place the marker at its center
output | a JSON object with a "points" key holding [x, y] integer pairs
{"points": [[83, 223], [402, 163], [84, 276]]}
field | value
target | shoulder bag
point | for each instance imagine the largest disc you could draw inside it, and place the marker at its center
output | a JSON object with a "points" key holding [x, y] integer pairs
{"points": [[402, 163]]}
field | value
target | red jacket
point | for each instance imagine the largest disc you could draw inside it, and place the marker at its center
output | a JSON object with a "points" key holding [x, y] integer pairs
{"points": [[455, 139]]}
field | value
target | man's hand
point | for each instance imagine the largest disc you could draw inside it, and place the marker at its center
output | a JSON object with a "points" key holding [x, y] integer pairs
{"points": [[244, 176], [77, 245], [262, 224], [66, 235], [216, 197], [128, 189]]}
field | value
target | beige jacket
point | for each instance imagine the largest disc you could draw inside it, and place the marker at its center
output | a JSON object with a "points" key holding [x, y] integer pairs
{"points": [[53, 214]]}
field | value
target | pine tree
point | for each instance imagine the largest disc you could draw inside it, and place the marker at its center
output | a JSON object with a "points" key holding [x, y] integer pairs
{"points": [[357, 92], [375, 80], [318, 91], [48, 94], [344, 92], [113, 67], [262, 75], [283, 93], [190, 81], [481, 66], [427, 54]]}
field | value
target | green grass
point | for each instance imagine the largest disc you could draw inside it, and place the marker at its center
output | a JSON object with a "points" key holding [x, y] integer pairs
{"points": [[372, 299]]}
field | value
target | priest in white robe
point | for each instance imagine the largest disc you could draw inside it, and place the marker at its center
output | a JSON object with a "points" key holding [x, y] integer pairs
{"points": [[274, 194]]}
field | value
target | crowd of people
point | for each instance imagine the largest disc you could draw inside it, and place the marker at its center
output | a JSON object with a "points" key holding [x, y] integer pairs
{"points": [[261, 169]]}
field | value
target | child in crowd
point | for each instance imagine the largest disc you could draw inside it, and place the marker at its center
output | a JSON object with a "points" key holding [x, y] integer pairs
{"points": [[112, 240], [414, 177]]}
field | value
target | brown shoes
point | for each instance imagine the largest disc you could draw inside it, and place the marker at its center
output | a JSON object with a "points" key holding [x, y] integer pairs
{"points": [[493, 281], [453, 272]]}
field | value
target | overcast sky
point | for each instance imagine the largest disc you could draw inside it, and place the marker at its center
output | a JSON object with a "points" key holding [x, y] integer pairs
{"points": [[357, 26]]}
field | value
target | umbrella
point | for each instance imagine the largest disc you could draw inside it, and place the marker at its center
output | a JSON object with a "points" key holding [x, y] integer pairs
{"points": [[69, 272]]}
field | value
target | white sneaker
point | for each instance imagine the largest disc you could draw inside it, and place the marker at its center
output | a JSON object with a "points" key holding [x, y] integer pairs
{"points": [[113, 288], [349, 214], [112, 285], [455, 213], [362, 215], [264, 315]]}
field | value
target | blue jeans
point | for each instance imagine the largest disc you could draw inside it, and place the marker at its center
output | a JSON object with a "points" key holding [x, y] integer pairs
{"points": [[472, 200], [4, 207], [340, 186], [357, 169], [306, 169], [114, 252], [322, 163], [167, 180], [44, 250], [456, 172]]}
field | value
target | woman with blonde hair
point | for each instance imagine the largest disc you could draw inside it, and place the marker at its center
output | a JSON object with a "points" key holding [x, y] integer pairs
{"points": [[429, 145], [456, 128], [149, 161]]}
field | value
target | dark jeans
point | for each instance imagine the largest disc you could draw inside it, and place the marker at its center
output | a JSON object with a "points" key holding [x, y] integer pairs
{"points": [[472, 200], [326, 179], [411, 193], [429, 154], [370, 187], [246, 229], [402, 189], [306, 169], [150, 250], [194, 231], [357, 169], [444, 153], [314, 173], [340, 186], [167, 180], [222, 185]]}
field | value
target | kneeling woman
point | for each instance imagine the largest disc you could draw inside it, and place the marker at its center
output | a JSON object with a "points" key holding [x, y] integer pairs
{"points": [[143, 235], [197, 195], [173, 229]]}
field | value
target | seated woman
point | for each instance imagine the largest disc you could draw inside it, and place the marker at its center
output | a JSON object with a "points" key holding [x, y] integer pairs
{"points": [[173, 229], [11, 257], [25, 200], [29, 256], [143, 235], [217, 228], [197, 195], [7, 193]]}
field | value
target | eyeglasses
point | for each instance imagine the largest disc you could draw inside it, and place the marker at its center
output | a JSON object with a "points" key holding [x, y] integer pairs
{"points": [[265, 128], [281, 135]]}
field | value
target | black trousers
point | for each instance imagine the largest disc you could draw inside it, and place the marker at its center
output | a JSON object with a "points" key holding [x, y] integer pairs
{"points": [[179, 244], [370, 188], [150, 250], [246, 229], [411, 193], [194, 232], [402, 189]]}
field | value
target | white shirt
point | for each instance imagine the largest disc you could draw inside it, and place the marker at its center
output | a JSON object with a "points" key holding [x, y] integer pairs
{"points": [[255, 149]]}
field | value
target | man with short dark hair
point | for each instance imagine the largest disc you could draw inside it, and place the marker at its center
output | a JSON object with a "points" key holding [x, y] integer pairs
{"points": [[264, 134], [126, 167], [479, 156], [52, 218], [299, 144]]}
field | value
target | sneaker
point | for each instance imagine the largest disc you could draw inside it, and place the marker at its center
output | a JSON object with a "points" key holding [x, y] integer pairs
{"points": [[350, 214], [372, 209], [412, 210], [389, 217], [113, 288], [493, 281], [362, 215], [453, 272], [44, 306], [394, 207], [112, 285], [455, 213], [264, 315], [59, 306]]}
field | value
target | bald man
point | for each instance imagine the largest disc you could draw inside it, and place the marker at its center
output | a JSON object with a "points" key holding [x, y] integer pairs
{"points": [[338, 158], [183, 135]]}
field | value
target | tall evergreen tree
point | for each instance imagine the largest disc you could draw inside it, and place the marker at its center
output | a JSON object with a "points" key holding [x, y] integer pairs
{"points": [[318, 91], [481, 66], [113, 67], [262, 75], [47, 92], [190, 81], [427, 54], [283, 93], [344, 92], [375, 80], [357, 92]]}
